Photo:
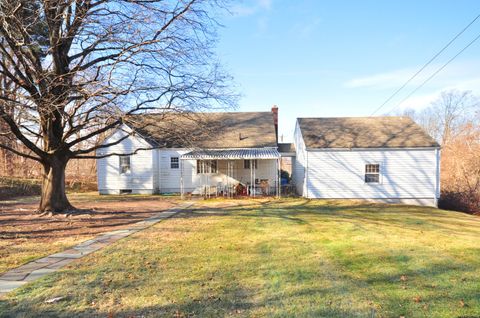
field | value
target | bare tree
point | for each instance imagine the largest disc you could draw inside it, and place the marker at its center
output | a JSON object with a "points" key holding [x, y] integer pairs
{"points": [[80, 66], [454, 120], [444, 118]]}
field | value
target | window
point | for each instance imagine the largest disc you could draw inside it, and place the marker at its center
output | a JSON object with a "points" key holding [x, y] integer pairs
{"points": [[206, 166], [174, 163], [246, 164], [372, 173], [124, 164]]}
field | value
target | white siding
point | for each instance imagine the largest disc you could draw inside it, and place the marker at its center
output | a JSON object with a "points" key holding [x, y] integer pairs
{"points": [[151, 171], [299, 162], [140, 179], [405, 174], [169, 179], [156, 170]]}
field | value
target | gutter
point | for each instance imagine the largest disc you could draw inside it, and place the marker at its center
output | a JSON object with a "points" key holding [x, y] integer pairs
{"points": [[372, 149]]}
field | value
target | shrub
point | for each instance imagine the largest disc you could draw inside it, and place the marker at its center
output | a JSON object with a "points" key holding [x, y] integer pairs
{"points": [[460, 201]]}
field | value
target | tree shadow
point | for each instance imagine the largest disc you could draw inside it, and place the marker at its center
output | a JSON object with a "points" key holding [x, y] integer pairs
{"points": [[385, 216]]}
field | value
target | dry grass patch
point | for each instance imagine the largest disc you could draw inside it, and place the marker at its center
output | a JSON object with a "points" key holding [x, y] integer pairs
{"points": [[25, 236], [264, 258]]}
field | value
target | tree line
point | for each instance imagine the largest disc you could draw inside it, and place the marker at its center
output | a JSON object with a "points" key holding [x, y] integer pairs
{"points": [[453, 119]]}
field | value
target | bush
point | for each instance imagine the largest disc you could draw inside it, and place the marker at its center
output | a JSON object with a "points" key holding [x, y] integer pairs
{"points": [[13, 187], [460, 201]]}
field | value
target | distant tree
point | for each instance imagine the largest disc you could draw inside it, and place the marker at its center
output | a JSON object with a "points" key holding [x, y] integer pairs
{"points": [[73, 69], [446, 115], [454, 121]]}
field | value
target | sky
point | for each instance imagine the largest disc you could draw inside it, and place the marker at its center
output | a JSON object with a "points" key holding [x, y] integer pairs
{"points": [[319, 58]]}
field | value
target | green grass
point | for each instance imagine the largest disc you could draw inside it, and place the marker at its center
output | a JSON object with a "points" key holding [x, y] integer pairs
{"points": [[288, 258]]}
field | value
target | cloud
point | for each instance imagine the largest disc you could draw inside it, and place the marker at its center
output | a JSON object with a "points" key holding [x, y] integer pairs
{"points": [[306, 28], [265, 4], [463, 75], [252, 7], [382, 80], [417, 102], [421, 101], [452, 75]]}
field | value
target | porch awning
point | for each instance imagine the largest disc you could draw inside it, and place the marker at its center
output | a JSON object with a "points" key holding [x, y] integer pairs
{"points": [[232, 154]]}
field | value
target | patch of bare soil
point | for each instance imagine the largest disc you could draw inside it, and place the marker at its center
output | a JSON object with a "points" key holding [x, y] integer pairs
{"points": [[19, 220], [25, 235]]}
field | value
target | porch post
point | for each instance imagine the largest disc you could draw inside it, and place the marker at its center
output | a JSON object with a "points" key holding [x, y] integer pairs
{"points": [[249, 191], [254, 175]]}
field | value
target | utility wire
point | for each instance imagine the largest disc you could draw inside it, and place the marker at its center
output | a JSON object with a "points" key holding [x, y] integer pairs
{"points": [[424, 66], [435, 73]]}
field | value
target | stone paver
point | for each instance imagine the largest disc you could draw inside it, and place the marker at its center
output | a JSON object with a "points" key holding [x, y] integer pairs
{"points": [[46, 265], [7, 285]]}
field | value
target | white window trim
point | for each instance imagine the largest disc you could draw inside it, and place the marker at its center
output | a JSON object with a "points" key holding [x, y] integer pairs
{"points": [[204, 160], [129, 171], [178, 162], [380, 174]]}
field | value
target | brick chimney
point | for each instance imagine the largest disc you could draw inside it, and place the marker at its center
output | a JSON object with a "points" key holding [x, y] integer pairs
{"points": [[275, 119]]}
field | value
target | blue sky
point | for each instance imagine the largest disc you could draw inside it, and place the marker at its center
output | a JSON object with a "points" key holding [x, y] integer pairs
{"points": [[345, 58]]}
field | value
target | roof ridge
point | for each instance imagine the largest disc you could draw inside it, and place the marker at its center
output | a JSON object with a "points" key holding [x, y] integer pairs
{"points": [[202, 113]]}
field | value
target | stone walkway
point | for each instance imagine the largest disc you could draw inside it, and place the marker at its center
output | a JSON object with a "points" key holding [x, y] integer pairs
{"points": [[49, 264]]}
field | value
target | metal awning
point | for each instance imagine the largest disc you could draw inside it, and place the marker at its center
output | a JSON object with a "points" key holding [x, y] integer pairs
{"points": [[232, 154]]}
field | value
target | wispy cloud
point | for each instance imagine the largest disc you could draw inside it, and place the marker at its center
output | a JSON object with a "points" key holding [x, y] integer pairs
{"points": [[265, 4], [381, 80], [424, 100], [306, 28], [252, 7], [464, 75], [450, 76], [415, 102]]}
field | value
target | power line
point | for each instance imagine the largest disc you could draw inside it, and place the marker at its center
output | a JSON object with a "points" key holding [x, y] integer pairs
{"points": [[435, 73], [424, 66]]}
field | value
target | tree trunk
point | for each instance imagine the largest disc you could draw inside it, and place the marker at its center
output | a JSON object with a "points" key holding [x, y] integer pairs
{"points": [[54, 198]]}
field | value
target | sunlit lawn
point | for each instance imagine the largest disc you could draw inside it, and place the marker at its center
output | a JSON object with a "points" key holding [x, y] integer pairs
{"points": [[289, 258]]}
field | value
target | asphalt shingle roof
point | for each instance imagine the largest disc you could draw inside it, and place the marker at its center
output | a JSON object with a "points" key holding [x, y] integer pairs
{"points": [[206, 130], [364, 132]]}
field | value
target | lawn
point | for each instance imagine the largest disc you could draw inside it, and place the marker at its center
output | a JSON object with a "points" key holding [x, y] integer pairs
{"points": [[26, 236], [265, 258]]}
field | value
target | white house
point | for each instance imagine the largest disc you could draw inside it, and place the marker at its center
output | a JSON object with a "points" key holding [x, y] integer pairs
{"points": [[386, 159], [213, 153]]}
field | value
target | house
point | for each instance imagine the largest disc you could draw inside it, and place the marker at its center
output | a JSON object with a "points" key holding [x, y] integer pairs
{"points": [[211, 153], [386, 159]]}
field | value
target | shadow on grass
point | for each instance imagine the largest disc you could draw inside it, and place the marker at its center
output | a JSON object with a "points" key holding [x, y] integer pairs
{"points": [[346, 296], [353, 283], [415, 218]]}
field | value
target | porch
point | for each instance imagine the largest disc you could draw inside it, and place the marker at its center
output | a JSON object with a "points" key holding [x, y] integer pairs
{"points": [[231, 172]]}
